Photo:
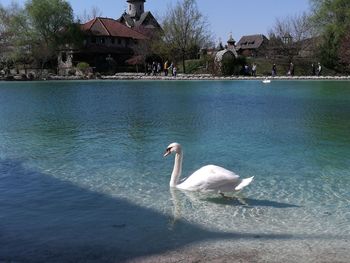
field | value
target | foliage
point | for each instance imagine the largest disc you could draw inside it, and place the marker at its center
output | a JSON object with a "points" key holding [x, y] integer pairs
{"points": [[36, 31], [344, 52], [233, 66], [83, 67], [331, 18], [227, 66], [185, 31], [13, 47], [48, 18], [195, 65]]}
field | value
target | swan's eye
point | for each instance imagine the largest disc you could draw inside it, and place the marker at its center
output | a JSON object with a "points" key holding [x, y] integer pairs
{"points": [[168, 149]]}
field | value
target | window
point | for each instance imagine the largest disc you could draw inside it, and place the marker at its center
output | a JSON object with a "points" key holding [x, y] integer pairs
{"points": [[93, 39], [113, 40], [119, 41]]}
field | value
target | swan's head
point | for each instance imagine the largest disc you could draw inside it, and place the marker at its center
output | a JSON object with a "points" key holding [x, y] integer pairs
{"points": [[172, 148]]}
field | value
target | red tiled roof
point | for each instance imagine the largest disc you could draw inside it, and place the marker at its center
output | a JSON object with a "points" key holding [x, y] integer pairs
{"points": [[109, 27]]}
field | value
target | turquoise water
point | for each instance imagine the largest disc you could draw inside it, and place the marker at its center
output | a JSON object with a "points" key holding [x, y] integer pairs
{"points": [[82, 173]]}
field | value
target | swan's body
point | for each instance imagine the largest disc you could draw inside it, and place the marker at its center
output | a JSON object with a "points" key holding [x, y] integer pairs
{"points": [[209, 178], [266, 80]]}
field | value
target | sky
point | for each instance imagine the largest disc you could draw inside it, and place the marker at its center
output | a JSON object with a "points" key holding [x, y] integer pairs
{"points": [[223, 16]]}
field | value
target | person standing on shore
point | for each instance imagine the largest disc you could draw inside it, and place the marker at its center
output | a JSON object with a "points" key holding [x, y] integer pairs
{"points": [[154, 68], [149, 69], [274, 70], [171, 68], [319, 69], [254, 70], [159, 68], [291, 69], [166, 68], [174, 71], [313, 69]]}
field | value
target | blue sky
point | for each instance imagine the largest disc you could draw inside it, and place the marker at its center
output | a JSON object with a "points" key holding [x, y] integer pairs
{"points": [[224, 16]]}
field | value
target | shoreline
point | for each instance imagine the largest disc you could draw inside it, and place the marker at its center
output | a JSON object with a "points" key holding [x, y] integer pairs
{"points": [[130, 76], [142, 76]]}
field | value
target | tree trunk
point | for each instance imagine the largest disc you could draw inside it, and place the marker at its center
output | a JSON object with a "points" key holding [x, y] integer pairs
{"points": [[183, 62]]}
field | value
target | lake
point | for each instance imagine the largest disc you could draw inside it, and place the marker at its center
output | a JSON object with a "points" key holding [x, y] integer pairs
{"points": [[83, 178]]}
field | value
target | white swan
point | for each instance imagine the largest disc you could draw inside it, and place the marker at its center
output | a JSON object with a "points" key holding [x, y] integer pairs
{"points": [[266, 80], [209, 178]]}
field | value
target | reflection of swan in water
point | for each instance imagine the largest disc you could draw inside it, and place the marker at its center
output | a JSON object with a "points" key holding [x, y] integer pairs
{"points": [[176, 215], [209, 178], [198, 202], [186, 203]]}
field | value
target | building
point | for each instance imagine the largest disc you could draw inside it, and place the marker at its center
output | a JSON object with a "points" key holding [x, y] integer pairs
{"points": [[228, 53], [136, 18], [252, 45], [108, 43]]}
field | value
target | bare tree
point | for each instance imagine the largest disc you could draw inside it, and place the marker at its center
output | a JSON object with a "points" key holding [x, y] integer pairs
{"points": [[289, 35], [185, 28], [298, 26], [89, 15]]}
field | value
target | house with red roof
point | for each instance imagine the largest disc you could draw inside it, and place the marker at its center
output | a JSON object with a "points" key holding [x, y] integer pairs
{"points": [[109, 43]]}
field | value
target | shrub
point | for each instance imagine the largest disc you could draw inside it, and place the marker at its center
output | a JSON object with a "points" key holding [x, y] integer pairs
{"points": [[195, 65], [231, 66], [83, 67]]}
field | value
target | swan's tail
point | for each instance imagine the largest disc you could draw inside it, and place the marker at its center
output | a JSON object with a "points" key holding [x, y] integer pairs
{"points": [[244, 183]]}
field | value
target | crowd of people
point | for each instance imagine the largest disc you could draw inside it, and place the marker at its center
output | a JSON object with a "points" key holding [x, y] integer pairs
{"points": [[316, 70], [169, 69], [156, 68]]}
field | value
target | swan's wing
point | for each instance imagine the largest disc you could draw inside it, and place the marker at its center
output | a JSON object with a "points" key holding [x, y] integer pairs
{"points": [[211, 178]]}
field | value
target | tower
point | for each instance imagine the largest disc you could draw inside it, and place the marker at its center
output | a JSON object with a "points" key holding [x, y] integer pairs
{"points": [[135, 8], [231, 43]]}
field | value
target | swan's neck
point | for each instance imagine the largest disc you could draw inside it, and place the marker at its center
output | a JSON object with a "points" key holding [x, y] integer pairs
{"points": [[177, 170]]}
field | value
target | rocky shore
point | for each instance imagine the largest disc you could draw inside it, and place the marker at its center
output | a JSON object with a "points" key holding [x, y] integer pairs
{"points": [[142, 76]]}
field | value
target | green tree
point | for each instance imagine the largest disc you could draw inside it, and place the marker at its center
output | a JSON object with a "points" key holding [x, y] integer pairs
{"points": [[344, 52], [36, 31], [331, 18], [184, 29], [48, 18], [48, 21], [14, 43]]}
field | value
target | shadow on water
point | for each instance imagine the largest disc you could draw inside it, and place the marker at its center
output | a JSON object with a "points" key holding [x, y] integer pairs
{"points": [[249, 202], [44, 219]]}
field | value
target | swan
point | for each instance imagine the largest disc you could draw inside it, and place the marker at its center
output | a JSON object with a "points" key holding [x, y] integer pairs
{"points": [[266, 80], [209, 178]]}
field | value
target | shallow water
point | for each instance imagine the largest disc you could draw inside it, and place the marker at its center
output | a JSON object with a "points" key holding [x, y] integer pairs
{"points": [[82, 173]]}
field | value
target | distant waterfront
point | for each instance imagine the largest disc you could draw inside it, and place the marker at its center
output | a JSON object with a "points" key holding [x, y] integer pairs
{"points": [[142, 76]]}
